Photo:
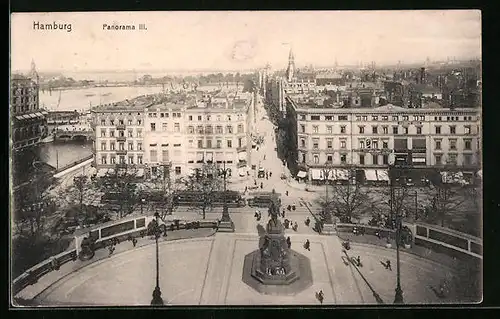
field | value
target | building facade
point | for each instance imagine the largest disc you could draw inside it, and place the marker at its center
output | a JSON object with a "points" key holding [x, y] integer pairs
{"points": [[154, 134], [378, 137]]}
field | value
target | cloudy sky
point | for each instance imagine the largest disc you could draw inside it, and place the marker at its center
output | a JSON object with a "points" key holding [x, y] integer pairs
{"points": [[242, 40]]}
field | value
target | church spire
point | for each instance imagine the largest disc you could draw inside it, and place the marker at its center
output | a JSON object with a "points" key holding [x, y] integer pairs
{"points": [[33, 73], [290, 72]]}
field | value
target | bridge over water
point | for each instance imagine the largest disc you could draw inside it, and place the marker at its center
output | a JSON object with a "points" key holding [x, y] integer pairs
{"points": [[74, 132]]}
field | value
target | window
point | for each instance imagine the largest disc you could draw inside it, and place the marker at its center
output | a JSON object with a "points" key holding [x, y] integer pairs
{"points": [[199, 129], [121, 133], [139, 146], [395, 118], [453, 129], [218, 129], [358, 118], [342, 129], [103, 133], [361, 129], [437, 144], [385, 159], [208, 117], [467, 129], [395, 130], [209, 143], [405, 117], [342, 144], [103, 146], [315, 118], [229, 129], [467, 144], [177, 127], [164, 156], [329, 143], [162, 114], [104, 159], [375, 144], [199, 117], [385, 144], [438, 159], [229, 143], [209, 129], [374, 118], [405, 129], [315, 128], [112, 122], [361, 144], [343, 158], [190, 117], [120, 122], [374, 129], [328, 118], [229, 118], [218, 118], [177, 170], [385, 118], [315, 143], [361, 159], [375, 159], [219, 143], [438, 129], [467, 159], [139, 159], [422, 117], [453, 144], [342, 117], [129, 122], [302, 128], [112, 146], [131, 160], [190, 143], [415, 117], [240, 128], [153, 156], [139, 122], [121, 146], [153, 127], [164, 127], [200, 143], [302, 117], [103, 122], [130, 146], [419, 130], [329, 129], [302, 142], [452, 159], [112, 160], [316, 158]]}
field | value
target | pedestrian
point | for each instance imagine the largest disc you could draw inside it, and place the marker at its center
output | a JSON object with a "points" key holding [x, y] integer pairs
{"points": [[134, 241], [308, 221], [388, 265], [246, 188], [295, 226], [264, 156], [270, 174], [283, 214], [286, 192], [255, 182], [307, 245], [261, 185], [111, 249], [320, 296], [358, 261], [289, 242]]}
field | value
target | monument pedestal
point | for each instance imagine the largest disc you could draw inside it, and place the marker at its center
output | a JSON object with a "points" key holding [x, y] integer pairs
{"points": [[226, 225]]}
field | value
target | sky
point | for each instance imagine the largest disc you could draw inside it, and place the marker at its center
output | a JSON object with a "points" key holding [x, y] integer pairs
{"points": [[241, 40]]}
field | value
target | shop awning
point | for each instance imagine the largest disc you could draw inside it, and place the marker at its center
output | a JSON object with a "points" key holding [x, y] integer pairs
{"points": [[210, 157], [316, 174], [301, 174], [341, 175], [382, 175], [242, 156], [371, 174], [191, 156], [219, 156], [199, 157]]}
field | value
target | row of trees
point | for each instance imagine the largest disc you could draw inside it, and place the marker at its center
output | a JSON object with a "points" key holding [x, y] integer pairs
{"points": [[350, 201]]}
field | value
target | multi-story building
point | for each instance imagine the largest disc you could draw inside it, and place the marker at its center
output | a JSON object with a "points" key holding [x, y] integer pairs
{"points": [[153, 132], [377, 137], [28, 121]]}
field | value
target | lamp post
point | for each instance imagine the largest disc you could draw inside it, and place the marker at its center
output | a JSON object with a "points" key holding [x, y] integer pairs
{"points": [[326, 173], [398, 298], [157, 300], [143, 200], [225, 221]]}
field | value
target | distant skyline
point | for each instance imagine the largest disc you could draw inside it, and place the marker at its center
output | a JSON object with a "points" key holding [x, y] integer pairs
{"points": [[241, 40]]}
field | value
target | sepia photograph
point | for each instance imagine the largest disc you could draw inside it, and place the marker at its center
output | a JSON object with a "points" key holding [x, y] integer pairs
{"points": [[245, 158]]}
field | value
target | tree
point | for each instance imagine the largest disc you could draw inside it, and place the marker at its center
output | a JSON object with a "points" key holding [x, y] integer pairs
{"points": [[348, 200], [445, 200], [206, 181], [120, 188], [394, 199]]}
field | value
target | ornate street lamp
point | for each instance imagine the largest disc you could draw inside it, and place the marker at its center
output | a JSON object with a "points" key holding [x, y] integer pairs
{"points": [[398, 298], [326, 173], [225, 222], [157, 300]]}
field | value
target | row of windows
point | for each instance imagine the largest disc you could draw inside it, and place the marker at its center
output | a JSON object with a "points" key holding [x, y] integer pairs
{"points": [[165, 115], [440, 159], [452, 144], [374, 159], [395, 118], [228, 117], [112, 159], [112, 122], [385, 129], [218, 143], [121, 146], [164, 127], [121, 133], [218, 129]]}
